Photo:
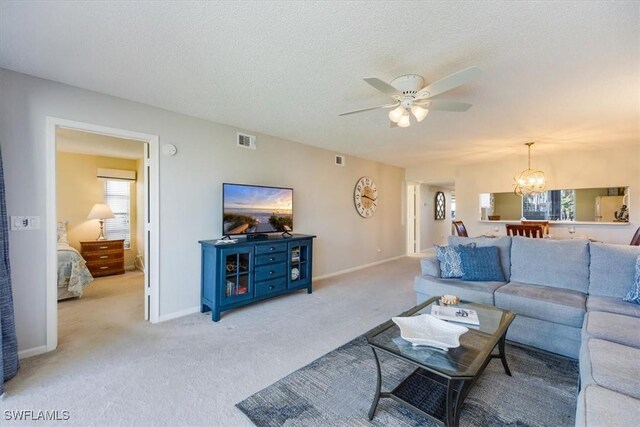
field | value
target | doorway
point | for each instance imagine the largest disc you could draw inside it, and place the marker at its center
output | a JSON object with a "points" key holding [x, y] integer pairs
{"points": [[424, 231], [148, 212]]}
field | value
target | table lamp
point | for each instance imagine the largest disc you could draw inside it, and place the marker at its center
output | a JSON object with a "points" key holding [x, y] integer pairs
{"points": [[100, 212]]}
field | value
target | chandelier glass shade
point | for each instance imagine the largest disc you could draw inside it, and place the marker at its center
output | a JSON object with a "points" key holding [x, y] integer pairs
{"points": [[401, 116], [529, 181]]}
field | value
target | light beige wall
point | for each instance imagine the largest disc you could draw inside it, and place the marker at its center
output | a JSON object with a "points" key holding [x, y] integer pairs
{"points": [[611, 167], [432, 231], [78, 190], [508, 206], [190, 191], [139, 225]]}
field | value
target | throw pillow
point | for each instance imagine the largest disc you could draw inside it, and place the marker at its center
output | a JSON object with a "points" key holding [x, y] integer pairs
{"points": [[634, 293], [481, 264], [449, 260], [62, 231]]}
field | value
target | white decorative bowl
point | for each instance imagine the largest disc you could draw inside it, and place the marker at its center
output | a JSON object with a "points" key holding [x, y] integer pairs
{"points": [[430, 331]]}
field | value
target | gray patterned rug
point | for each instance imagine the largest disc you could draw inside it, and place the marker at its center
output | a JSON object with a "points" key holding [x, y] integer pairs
{"points": [[337, 389]]}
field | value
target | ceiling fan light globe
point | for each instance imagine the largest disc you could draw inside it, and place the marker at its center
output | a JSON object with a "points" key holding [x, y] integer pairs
{"points": [[419, 112], [404, 122], [396, 114]]}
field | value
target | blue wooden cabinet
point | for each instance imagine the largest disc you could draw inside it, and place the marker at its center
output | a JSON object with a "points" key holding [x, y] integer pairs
{"points": [[237, 274]]}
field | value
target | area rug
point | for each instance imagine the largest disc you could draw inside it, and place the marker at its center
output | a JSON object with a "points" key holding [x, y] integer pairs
{"points": [[337, 390]]}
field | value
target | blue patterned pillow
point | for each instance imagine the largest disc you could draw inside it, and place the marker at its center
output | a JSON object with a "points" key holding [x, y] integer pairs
{"points": [[634, 293], [449, 259], [481, 264]]}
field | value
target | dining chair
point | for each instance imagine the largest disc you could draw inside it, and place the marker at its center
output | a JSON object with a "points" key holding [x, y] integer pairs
{"points": [[635, 241], [460, 228], [535, 231], [544, 224]]}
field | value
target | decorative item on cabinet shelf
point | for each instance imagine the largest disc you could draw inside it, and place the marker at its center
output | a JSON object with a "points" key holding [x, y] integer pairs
{"points": [[295, 273]]}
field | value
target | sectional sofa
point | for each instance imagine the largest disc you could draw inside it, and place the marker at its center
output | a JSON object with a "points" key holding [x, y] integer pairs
{"points": [[568, 298]]}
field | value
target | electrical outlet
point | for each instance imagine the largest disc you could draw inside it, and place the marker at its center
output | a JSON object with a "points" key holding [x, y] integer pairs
{"points": [[19, 223]]}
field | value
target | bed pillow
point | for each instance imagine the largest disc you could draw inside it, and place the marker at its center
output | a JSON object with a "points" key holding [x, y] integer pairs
{"points": [[481, 264], [634, 294], [62, 231], [449, 260]]}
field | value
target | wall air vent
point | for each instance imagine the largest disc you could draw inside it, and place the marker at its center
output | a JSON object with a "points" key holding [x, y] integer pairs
{"points": [[340, 160], [246, 141]]}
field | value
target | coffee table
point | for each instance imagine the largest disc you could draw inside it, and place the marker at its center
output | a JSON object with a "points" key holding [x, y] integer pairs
{"points": [[442, 380]]}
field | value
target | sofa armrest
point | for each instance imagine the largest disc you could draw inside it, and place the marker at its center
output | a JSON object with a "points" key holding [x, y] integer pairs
{"points": [[430, 266]]}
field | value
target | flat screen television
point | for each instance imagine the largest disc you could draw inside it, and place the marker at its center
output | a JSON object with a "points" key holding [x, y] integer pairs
{"points": [[256, 209]]}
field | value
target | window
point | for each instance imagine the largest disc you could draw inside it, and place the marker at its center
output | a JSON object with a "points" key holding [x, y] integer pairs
{"points": [[555, 205], [117, 196]]}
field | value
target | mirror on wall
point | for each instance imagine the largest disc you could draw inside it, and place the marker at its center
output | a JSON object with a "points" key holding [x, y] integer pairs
{"points": [[607, 204]]}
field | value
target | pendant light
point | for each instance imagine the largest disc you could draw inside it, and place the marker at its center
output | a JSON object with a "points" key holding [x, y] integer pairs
{"points": [[529, 181]]}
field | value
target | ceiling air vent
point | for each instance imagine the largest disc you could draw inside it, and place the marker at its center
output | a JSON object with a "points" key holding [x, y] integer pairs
{"points": [[340, 160], [246, 141]]}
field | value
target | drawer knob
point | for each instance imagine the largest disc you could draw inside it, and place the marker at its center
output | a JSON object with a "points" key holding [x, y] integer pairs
{"points": [[104, 256], [271, 272], [272, 249], [272, 287], [272, 259], [103, 268]]}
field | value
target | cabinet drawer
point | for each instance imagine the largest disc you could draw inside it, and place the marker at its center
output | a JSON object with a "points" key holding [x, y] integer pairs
{"points": [[267, 249], [105, 256], [106, 268], [99, 246], [271, 258], [271, 271], [271, 286]]}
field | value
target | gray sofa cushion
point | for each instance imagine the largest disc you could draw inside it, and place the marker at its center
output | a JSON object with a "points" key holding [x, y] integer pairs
{"points": [[430, 266], [610, 365], [599, 407], [556, 263], [612, 327], [613, 269], [481, 292], [555, 305], [503, 244], [612, 305]]}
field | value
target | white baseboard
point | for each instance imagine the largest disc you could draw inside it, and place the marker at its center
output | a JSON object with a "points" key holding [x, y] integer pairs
{"points": [[360, 267], [176, 314], [30, 352], [192, 310]]}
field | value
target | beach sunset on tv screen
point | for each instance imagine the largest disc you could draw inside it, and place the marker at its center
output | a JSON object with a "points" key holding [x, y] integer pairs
{"points": [[255, 209]]}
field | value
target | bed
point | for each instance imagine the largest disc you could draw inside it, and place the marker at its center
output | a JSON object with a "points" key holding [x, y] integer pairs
{"points": [[73, 274]]}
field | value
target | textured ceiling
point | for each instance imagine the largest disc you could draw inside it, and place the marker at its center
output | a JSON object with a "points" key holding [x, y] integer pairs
{"points": [[565, 74]]}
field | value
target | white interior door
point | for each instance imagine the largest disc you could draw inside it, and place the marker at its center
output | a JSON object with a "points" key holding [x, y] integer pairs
{"points": [[147, 233]]}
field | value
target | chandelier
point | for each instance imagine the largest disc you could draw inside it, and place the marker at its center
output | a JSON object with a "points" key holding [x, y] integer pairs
{"points": [[529, 181]]}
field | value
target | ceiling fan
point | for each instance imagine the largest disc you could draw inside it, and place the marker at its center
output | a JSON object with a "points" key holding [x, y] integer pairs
{"points": [[412, 96]]}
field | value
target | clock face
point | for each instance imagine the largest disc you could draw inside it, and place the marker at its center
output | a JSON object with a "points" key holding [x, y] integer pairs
{"points": [[365, 197]]}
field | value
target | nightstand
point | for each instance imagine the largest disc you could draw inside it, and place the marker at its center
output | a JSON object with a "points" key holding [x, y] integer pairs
{"points": [[103, 257]]}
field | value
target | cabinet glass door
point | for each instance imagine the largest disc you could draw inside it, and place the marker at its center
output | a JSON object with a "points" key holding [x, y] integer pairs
{"points": [[237, 283], [299, 264]]}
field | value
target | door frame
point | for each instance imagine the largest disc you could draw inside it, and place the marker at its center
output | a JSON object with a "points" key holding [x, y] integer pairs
{"points": [[152, 216]]}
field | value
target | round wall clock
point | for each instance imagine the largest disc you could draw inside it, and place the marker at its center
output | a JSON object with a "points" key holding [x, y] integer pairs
{"points": [[365, 197]]}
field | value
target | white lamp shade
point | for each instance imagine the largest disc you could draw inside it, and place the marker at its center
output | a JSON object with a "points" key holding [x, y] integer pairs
{"points": [[396, 114], [404, 121], [419, 112], [100, 211]]}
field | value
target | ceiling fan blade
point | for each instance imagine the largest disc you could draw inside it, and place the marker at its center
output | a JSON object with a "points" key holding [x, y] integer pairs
{"points": [[450, 82], [442, 105], [370, 108], [383, 87]]}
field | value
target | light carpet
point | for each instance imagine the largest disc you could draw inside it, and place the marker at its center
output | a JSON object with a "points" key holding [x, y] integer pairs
{"points": [[111, 368], [338, 388]]}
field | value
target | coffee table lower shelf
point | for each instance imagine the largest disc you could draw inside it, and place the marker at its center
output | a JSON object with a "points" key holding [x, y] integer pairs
{"points": [[424, 394]]}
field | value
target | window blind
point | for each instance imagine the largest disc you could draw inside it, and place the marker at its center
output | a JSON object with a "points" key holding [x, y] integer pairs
{"points": [[117, 197]]}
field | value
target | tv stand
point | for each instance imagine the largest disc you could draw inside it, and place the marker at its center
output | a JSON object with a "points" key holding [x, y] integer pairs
{"points": [[237, 274]]}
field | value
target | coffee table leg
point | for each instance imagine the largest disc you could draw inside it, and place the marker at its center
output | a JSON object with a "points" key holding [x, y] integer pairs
{"points": [[376, 398], [503, 356]]}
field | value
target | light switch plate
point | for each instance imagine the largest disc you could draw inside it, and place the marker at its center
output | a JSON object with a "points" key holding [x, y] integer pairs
{"points": [[19, 223]]}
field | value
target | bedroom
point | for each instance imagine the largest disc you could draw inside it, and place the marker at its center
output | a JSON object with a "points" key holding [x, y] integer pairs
{"points": [[100, 272]]}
